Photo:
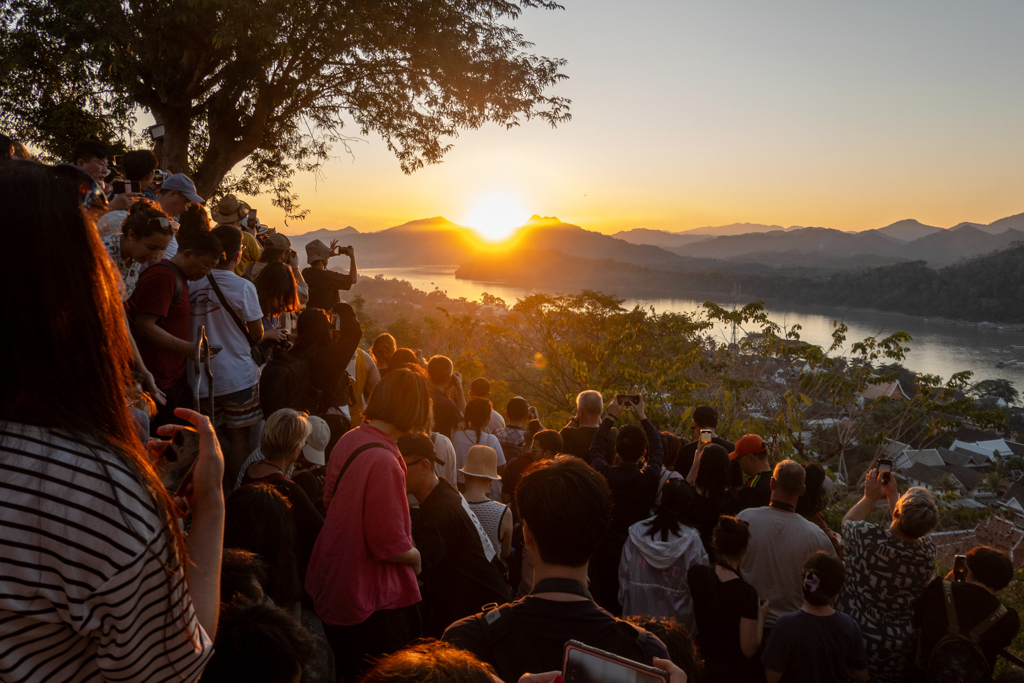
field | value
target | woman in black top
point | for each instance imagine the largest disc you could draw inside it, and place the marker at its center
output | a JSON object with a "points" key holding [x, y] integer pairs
{"points": [[730, 616]]}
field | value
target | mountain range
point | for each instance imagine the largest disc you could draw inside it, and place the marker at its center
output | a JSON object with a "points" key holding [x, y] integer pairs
{"points": [[438, 241]]}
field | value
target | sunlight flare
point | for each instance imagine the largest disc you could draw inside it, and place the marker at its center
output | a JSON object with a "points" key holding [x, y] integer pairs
{"points": [[496, 216]]}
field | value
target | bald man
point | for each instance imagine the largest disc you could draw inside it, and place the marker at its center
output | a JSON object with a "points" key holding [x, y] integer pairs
{"points": [[780, 543]]}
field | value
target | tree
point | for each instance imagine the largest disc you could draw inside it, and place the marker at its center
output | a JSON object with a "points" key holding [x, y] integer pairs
{"points": [[274, 82], [1000, 388], [947, 484]]}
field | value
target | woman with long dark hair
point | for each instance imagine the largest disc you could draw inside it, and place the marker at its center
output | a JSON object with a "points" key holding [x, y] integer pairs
{"points": [[98, 577], [712, 495], [656, 557], [362, 576]]}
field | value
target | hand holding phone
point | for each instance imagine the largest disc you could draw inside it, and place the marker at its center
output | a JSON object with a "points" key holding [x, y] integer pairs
{"points": [[586, 664], [960, 568], [884, 470], [178, 460], [627, 399]]}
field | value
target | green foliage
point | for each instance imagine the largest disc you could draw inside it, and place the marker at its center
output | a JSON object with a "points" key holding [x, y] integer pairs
{"points": [[1000, 388], [272, 83]]}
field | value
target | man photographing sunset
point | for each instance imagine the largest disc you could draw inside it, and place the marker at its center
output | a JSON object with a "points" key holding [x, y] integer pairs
{"points": [[324, 285]]}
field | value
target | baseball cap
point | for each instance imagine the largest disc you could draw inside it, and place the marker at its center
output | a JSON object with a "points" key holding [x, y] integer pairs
{"points": [[317, 441], [748, 444], [317, 251], [183, 184], [418, 446]]}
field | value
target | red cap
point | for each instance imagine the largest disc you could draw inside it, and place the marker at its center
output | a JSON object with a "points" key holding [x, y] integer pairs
{"points": [[748, 444]]}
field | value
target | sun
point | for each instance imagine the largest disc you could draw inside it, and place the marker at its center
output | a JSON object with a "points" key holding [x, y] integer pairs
{"points": [[496, 216]]}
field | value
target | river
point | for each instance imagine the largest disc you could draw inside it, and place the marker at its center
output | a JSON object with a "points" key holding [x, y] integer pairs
{"points": [[938, 348]]}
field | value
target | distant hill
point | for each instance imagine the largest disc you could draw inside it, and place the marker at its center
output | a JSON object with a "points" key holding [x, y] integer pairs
{"points": [[823, 242], [984, 288], [908, 230], [949, 246], [438, 241], [736, 229], [658, 238]]}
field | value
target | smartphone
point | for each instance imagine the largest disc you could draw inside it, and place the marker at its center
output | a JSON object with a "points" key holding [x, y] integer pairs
{"points": [[214, 350], [627, 399], [336, 324], [885, 470], [586, 664], [118, 158], [124, 187], [705, 436], [178, 460], [960, 568], [253, 222]]}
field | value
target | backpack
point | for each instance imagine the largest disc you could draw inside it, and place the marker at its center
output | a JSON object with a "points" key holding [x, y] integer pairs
{"points": [[958, 657], [284, 383]]}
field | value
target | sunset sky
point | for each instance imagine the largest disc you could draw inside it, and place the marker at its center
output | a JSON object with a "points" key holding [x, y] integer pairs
{"points": [[848, 115]]}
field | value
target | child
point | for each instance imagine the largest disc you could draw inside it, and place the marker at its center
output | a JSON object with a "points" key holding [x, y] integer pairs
{"points": [[817, 644]]}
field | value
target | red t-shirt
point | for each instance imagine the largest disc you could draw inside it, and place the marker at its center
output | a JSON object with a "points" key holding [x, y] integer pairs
{"points": [[153, 296], [367, 522]]}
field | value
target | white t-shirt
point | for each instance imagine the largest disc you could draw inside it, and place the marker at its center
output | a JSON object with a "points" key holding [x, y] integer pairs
{"points": [[780, 543], [233, 368]]}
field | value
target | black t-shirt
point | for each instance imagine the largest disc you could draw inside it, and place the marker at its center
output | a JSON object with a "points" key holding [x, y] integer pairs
{"points": [[447, 415], [324, 286], [576, 441], [718, 629], [510, 480], [704, 514], [457, 578], [973, 604], [757, 491], [688, 450], [543, 627]]}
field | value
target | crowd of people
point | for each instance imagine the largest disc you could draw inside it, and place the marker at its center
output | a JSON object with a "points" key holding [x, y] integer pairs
{"points": [[355, 513]]}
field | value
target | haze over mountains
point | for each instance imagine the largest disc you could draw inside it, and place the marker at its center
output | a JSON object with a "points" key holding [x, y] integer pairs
{"points": [[438, 241]]}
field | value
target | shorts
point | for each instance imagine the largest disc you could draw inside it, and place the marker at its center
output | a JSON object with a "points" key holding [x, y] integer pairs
{"points": [[237, 410]]}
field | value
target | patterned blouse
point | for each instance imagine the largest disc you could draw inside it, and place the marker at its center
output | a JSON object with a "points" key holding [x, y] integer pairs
{"points": [[130, 269], [884, 578]]}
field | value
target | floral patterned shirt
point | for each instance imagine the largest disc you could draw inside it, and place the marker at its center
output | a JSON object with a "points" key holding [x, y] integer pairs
{"points": [[129, 269]]}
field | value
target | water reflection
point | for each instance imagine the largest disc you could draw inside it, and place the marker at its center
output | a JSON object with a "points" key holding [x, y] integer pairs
{"points": [[937, 348]]}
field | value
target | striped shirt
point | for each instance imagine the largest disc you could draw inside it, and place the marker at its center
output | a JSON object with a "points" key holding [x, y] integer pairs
{"points": [[84, 595]]}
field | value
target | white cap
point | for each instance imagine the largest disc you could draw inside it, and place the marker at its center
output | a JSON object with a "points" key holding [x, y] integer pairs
{"points": [[317, 441]]}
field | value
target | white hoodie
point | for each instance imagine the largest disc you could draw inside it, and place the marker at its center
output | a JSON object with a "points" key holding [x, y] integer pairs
{"points": [[652, 573]]}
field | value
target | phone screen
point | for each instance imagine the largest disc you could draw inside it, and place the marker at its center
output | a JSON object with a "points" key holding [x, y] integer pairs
{"points": [[177, 461], [582, 666], [705, 436], [884, 469]]}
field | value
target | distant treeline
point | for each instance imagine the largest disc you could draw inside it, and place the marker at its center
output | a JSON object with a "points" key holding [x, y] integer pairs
{"points": [[985, 288]]}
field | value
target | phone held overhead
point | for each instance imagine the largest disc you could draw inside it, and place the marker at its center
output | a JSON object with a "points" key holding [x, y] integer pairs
{"points": [[884, 470]]}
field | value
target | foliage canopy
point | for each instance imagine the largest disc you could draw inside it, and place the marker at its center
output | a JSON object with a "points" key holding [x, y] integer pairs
{"points": [[274, 82]]}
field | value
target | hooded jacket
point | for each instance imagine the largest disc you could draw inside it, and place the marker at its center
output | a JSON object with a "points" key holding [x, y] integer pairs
{"points": [[652, 573]]}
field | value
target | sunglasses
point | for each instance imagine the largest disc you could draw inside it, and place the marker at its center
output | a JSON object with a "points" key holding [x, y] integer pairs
{"points": [[90, 193]]}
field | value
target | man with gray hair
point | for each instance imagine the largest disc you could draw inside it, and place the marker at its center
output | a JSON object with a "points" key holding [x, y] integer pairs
{"points": [[780, 543], [581, 428]]}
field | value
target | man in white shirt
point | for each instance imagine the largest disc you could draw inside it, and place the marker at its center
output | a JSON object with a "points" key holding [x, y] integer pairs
{"points": [[780, 543], [224, 309]]}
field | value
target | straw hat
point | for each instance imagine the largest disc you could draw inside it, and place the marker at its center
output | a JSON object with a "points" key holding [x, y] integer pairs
{"points": [[230, 209], [481, 461]]}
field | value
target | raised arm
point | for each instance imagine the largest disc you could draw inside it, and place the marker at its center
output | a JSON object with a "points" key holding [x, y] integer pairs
{"points": [[599, 444], [655, 448], [874, 491]]}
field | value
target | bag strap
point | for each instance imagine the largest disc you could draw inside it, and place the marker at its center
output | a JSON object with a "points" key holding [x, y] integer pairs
{"points": [[947, 594], [220, 295], [988, 623], [177, 280], [348, 462]]}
